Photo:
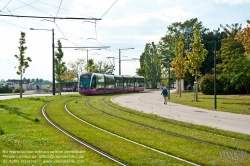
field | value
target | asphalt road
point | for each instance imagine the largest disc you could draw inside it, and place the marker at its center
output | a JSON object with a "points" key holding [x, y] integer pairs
{"points": [[152, 102]]}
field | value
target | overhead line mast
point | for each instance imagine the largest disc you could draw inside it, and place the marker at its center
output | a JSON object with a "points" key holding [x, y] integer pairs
{"points": [[54, 18]]}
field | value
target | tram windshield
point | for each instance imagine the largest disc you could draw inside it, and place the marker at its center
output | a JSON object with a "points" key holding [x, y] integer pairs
{"points": [[85, 81]]}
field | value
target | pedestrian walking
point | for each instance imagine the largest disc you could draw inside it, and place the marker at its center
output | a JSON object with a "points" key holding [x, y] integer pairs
{"points": [[165, 94], [37, 88]]}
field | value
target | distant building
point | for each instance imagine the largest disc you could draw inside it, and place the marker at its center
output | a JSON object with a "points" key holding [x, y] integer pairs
{"points": [[14, 81]]}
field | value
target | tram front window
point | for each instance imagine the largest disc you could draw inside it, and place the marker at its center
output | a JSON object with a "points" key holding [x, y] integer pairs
{"points": [[84, 81]]}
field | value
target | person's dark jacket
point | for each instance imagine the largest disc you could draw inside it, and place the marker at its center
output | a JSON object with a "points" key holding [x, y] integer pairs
{"points": [[164, 92]]}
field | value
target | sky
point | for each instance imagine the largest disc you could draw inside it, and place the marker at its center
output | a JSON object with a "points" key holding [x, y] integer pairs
{"points": [[123, 24]]}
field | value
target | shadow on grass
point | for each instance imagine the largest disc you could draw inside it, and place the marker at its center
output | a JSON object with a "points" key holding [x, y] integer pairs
{"points": [[16, 110]]}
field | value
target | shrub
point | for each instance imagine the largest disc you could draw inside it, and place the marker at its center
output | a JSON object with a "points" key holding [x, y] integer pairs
{"points": [[207, 84], [17, 90], [5, 89]]}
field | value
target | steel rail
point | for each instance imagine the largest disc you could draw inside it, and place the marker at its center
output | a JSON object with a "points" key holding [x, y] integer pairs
{"points": [[77, 139]]}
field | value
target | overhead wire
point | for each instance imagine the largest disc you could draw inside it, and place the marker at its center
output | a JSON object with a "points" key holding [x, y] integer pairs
{"points": [[50, 15], [22, 6], [34, 8], [64, 9], [58, 8], [102, 17], [13, 24], [109, 9], [5, 5]]}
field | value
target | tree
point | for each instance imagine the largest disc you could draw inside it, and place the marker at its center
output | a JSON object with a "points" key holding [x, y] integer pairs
{"points": [[23, 61], [233, 71], [40, 80], [186, 29], [168, 43], [196, 57], [33, 81], [68, 76], [60, 67], [91, 67], [209, 42], [179, 62], [141, 71], [103, 67], [244, 37], [77, 68], [152, 63]]}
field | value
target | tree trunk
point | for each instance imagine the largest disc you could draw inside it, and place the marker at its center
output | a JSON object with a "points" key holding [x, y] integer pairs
{"points": [[21, 87], [196, 88], [59, 88], [179, 80]]}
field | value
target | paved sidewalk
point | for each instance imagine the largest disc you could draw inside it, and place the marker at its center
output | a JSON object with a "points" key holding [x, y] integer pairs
{"points": [[152, 102]]}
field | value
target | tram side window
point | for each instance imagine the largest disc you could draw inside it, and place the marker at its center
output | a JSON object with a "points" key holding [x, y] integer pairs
{"points": [[139, 82], [100, 82], [125, 82], [130, 82], [136, 83], [118, 82], [93, 83], [109, 83]]}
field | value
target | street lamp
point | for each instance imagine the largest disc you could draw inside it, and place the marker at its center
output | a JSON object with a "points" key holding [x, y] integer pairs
{"points": [[87, 54], [120, 58], [53, 58], [215, 99]]}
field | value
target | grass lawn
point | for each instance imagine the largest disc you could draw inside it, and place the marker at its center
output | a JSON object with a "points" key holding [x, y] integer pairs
{"points": [[239, 104], [26, 138]]}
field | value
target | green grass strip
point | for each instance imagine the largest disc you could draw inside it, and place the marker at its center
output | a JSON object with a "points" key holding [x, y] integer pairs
{"points": [[239, 104], [194, 151]]}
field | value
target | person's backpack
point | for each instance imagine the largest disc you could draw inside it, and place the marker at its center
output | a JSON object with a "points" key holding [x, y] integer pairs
{"points": [[165, 91]]}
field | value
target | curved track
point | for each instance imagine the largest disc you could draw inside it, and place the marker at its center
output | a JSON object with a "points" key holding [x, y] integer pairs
{"points": [[167, 132], [122, 137], [77, 139]]}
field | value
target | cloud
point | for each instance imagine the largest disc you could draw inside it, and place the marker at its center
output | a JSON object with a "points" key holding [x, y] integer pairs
{"points": [[233, 2]]}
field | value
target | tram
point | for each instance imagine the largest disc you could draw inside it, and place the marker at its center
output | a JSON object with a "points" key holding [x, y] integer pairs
{"points": [[96, 83]]}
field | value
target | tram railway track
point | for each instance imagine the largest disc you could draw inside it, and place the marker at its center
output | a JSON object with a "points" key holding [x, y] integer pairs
{"points": [[86, 114], [105, 153], [169, 132]]}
